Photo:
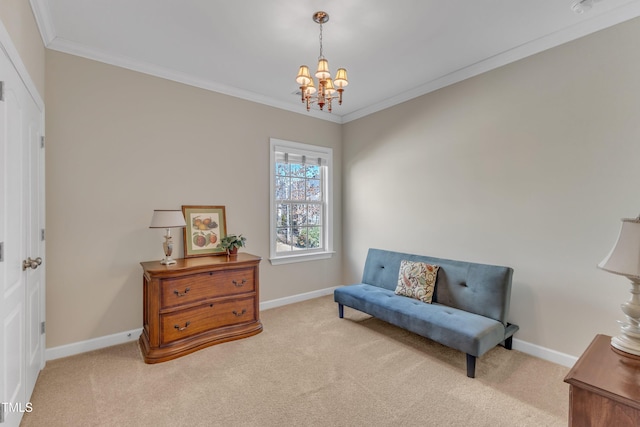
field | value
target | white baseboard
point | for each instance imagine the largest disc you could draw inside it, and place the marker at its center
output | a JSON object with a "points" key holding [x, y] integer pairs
{"points": [[544, 353], [92, 344], [296, 298], [124, 337]]}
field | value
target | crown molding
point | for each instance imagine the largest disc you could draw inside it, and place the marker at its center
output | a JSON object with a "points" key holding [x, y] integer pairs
{"points": [[42, 14]]}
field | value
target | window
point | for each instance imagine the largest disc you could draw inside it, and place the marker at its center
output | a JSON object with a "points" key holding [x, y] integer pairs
{"points": [[301, 194]]}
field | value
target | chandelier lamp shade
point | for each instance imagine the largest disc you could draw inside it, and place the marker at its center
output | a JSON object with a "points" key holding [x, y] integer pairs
{"points": [[327, 89]]}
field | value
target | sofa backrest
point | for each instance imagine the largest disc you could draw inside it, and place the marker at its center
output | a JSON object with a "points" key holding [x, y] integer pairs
{"points": [[476, 288]]}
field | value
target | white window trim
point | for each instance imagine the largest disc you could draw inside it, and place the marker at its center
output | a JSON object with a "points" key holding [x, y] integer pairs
{"points": [[309, 150]]}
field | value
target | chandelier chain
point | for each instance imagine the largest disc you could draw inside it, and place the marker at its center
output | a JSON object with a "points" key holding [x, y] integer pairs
{"points": [[321, 54]]}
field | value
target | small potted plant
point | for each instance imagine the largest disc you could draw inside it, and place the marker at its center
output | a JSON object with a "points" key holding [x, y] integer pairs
{"points": [[231, 243]]}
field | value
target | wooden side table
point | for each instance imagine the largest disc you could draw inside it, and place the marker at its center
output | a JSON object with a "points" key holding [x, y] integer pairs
{"points": [[604, 387], [198, 302]]}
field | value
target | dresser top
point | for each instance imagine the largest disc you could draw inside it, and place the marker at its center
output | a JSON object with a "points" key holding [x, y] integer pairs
{"points": [[217, 261], [602, 370]]}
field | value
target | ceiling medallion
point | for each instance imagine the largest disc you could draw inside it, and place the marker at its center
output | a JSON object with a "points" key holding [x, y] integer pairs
{"points": [[326, 86]]}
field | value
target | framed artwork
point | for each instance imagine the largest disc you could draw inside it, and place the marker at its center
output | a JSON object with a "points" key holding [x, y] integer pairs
{"points": [[206, 226]]}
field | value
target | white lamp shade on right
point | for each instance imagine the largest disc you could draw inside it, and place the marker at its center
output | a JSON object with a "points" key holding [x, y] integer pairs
{"points": [[624, 258]]}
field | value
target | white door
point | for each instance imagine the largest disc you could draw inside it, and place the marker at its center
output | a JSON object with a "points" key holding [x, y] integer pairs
{"points": [[21, 221], [34, 234]]}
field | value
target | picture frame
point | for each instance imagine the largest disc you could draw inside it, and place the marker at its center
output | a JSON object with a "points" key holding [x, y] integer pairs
{"points": [[206, 227]]}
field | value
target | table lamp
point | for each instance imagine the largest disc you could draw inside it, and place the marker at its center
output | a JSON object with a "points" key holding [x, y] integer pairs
{"points": [[624, 259], [167, 219]]}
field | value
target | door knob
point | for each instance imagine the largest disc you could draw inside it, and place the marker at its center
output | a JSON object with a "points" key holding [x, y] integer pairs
{"points": [[31, 263]]}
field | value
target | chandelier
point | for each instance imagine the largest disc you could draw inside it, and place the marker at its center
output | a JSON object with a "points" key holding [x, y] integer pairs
{"points": [[326, 87]]}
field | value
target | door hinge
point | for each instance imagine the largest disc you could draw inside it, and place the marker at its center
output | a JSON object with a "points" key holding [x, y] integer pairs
{"points": [[1, 91], [42, 235], [2, 413], [42, 142], [42, 328], [1, 251]]}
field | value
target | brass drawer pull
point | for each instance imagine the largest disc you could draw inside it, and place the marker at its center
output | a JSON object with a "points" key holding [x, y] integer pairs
{"points": [[182, 328], [238, 284], [181, 294], [244, 310]]}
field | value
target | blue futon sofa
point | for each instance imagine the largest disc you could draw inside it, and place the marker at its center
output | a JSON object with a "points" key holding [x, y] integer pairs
{"points": [[469, 307]]}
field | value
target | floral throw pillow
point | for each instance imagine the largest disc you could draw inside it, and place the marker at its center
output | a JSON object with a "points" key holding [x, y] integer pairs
{"points": [[417, 280]]}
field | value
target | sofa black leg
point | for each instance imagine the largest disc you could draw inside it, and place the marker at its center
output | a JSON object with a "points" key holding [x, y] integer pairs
{"points": [[340, 311], [508, 343], [471, 366]]}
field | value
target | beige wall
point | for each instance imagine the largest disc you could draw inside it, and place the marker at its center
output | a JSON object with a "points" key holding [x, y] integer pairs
{"points": [[531, 165], [121, 144], [17, 18]]}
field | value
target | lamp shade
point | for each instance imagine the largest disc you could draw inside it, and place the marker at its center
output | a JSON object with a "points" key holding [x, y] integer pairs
{"points": [[624, 258], [304, 77], [323, 69], [341, 78], [329, 88], [311, 88], [167, 219]]}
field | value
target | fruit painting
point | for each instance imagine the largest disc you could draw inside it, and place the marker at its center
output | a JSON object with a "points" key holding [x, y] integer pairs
{"points": [[206, 230], [206, 227]]}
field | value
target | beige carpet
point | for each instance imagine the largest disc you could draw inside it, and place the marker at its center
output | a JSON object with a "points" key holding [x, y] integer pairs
{"points": [[307, 368]]}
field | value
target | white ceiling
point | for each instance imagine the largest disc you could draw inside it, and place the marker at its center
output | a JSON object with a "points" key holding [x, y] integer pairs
{"points": [[393, 50]]}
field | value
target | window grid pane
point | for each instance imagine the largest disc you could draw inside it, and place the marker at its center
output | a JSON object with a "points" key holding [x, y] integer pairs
{"points": [[282, 169], [283, 217], [298, 190], [313, 172], [297, 170], [283, 185], [314, 190], [314, 214]]}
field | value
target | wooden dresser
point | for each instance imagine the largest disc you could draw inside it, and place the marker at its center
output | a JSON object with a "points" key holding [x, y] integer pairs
{"points": [[604, 387], [198, 302]]}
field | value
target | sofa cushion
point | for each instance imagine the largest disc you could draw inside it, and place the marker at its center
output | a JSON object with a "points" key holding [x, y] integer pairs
{"points": [[464, 331], [416, 280]]}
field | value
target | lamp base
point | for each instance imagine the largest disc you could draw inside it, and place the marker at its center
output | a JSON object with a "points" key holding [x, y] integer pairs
{"points": [[168, 249], [629, 339], [626, 344]]}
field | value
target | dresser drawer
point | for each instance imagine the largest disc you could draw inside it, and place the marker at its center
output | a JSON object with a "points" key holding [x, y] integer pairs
{"points": [[185, 323], [187, 289]]}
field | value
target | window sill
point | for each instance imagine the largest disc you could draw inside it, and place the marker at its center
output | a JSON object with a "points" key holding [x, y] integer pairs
{"points": [[288, 259]]}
